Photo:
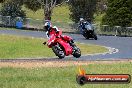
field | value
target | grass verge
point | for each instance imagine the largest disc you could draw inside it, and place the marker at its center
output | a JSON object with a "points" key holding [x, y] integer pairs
{"points": [[3, 28], [63, 77], [58, 14], [27, 47]]}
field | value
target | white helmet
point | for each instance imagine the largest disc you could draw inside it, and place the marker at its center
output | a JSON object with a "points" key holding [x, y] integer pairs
{"points": [[81, 19]]}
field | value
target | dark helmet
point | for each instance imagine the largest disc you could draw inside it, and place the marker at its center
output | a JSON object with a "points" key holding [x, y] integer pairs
{"points": [[47, 26]]}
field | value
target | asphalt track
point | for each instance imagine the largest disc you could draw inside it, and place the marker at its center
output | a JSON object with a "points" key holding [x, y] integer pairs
{"points": [[120, 47]]}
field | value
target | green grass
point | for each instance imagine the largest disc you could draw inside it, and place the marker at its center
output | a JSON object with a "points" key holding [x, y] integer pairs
{"points": [[3, 28], [98, 18], [22, 47], [60, 17], [60, 14], [27, 47], [91, 49], [64, 77]]}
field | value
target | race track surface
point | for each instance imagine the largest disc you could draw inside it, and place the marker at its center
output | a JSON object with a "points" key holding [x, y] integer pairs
{"points": [[122, 46]]}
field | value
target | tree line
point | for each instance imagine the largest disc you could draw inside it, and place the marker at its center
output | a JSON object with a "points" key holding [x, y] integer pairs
{"points": [[117, 12]]}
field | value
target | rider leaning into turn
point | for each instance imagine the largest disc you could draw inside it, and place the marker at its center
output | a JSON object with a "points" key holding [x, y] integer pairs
{"points": [[49, 28], [82, 23]]}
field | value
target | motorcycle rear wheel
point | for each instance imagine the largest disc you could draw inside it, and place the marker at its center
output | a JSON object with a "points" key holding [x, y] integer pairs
{"points": [[86, 36], [58, 51]]}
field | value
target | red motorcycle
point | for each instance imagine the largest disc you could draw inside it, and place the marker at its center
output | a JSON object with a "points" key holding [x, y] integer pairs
{"points": [[61, 47]]}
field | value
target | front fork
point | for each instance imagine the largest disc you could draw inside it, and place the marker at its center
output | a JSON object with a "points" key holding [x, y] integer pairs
{"points": [[74, 47]]}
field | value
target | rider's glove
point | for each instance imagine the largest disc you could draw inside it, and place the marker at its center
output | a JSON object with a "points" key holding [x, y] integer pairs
{"points": [[44, 43]]}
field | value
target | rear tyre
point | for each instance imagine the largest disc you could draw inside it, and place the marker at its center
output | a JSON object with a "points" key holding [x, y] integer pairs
{"points": [[86, 36], [58, 51]]}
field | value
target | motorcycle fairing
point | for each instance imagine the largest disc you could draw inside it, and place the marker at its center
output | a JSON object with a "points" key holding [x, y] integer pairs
{"points": [[51, 41], [66, 46]]}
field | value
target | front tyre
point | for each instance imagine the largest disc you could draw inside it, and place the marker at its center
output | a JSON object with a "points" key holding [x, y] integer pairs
{"points": [[76, 52], [95, 36], [58, 51]]}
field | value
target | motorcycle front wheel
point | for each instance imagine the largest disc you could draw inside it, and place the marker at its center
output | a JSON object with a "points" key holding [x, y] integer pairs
{"points": [[77, 52], [95, 36], [58, 51]]}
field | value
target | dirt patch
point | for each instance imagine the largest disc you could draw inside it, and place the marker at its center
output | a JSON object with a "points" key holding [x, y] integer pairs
{"points": [[36, 64]]}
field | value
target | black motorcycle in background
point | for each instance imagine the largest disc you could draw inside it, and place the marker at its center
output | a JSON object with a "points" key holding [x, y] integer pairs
{"points": [[87, 30]]}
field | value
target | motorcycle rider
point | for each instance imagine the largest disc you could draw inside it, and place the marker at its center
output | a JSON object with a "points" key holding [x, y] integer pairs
{"points": [[49, 28], [82, 24]]}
